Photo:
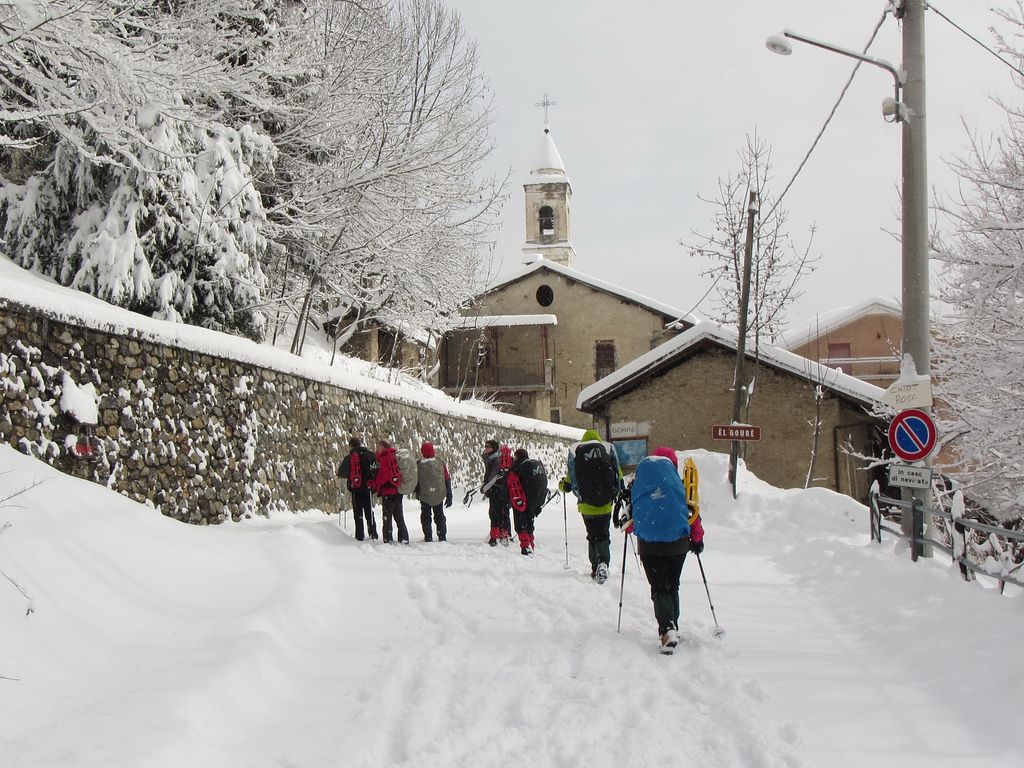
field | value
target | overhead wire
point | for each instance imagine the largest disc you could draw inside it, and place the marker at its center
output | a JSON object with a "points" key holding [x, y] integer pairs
{"points": [[952, 23], [810, 150], [831, 114]]}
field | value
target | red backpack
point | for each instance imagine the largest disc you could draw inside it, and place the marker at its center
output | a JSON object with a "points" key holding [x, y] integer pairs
{"points": [[516, 494]]}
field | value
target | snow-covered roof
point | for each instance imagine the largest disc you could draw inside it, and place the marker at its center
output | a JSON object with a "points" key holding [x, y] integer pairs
{"points": [[547, 161], [828, 322], [666, 354], [574, 274], [505, 321]]}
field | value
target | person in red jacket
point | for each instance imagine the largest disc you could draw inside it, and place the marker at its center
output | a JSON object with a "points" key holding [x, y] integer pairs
{"points": [[386, 486]]}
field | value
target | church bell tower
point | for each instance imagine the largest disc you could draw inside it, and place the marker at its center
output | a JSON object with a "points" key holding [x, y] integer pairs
{"points": [[548, 196]]}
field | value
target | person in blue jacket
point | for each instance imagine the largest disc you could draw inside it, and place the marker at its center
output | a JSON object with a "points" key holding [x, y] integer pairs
{"points": [[666, 530]]}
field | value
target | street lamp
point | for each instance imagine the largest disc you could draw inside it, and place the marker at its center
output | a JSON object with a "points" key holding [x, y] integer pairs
{"points": [[892, 109], [907, 108]]}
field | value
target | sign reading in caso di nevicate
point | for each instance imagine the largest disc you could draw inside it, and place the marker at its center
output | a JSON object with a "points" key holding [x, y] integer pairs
{"points": [[912, 435]]}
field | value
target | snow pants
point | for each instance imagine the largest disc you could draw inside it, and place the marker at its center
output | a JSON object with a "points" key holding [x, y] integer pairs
{"points": [[440, 522], [524, 527], [362, 507], [391, 509], [663, 575], [599, 541], [498, 513]]}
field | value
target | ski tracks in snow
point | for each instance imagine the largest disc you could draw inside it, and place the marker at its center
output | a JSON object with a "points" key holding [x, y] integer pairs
{"points": [[509, 657]]}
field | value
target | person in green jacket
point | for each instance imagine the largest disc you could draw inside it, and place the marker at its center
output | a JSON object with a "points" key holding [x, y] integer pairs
{"points": [[595, 478]]}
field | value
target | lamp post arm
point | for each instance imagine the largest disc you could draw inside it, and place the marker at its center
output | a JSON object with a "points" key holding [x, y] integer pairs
{"points": [[897, 74]]}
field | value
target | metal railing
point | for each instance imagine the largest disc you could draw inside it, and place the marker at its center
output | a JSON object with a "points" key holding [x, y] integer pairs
{"points": [[957, 527]]}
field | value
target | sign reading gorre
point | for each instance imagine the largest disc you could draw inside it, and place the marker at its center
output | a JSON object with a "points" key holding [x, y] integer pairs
{"points": [[735, 432]]}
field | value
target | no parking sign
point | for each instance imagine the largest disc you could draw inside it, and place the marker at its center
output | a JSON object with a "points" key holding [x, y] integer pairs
{"points": [[912, 435]]}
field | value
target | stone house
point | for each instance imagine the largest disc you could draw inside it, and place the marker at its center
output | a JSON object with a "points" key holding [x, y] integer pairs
{"points": [[863, 340], [676, 393], [534, 339]]}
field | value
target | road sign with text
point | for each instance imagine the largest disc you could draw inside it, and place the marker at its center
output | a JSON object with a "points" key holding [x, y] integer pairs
{"points": [[735, 432], [910, 477]]}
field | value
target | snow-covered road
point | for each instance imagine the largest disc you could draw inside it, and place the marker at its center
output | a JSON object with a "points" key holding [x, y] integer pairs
{"points": [[287, 643]]}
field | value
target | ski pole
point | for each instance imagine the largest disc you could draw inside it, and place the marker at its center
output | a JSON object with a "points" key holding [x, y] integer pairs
{"points": [[719, 632], [565, 526], [622, 582], [635, 555]]}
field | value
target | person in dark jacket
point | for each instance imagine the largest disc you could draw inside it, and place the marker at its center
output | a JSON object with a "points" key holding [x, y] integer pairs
{"points": [[524, 520], [666, 529], [354, 471], [495, 488], [386, 485], [434, 490]]}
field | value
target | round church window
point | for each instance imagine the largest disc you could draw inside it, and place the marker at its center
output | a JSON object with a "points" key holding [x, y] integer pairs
{"points": [[545, 295]]}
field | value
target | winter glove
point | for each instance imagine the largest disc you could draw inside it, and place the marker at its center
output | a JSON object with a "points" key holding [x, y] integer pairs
{"points": [[448, 502], [564, 485], [696, 547]]}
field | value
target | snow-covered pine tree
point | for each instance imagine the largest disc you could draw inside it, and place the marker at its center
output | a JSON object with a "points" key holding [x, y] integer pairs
{"points": [[139, 194]]}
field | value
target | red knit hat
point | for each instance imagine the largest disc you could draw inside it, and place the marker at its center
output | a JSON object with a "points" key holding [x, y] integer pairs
{"points": [[667, 453], [427, 449]]}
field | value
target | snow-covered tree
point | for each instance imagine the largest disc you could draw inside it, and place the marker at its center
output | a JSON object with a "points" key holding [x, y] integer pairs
{"points": [[382, 207], [777, 263], [979, 343], [119, 177]]}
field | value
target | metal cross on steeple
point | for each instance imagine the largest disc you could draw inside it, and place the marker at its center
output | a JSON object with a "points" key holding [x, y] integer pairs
{"points": [[546, 102]]}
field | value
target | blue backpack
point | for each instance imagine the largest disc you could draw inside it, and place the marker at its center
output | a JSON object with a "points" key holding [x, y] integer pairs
{"points": [[659, 501]]}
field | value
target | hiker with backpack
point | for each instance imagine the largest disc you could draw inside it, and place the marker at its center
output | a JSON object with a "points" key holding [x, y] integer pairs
{"points": [[434, 490], [359, 469], [595, 478], [387, 484], [495, 488], [667, 527], [528, 501]]}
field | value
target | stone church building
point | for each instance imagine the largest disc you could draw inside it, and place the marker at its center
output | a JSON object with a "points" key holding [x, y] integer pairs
{"points": [[535, 339]]}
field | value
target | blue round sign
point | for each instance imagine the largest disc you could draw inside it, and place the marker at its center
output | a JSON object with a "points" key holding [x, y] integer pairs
{"points": [[912, 435]]}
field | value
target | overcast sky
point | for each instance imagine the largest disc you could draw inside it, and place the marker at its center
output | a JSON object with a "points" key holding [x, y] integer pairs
{"points": [[654, 99]]}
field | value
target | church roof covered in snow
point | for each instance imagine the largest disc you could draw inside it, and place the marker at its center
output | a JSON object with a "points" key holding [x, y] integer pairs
{"points": [[671, 314], [678, 348]]}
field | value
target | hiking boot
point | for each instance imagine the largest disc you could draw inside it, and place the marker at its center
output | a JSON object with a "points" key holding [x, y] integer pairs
{"points": [[428, 539], [665, 648], [601, 574], [527, 551], [492, 542]]}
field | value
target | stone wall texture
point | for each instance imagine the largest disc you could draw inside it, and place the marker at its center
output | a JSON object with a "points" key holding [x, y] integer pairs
{"points": [[203, 437]]}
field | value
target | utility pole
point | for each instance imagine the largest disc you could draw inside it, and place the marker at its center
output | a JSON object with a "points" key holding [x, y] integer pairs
{"points": [[916, 322], [738, 387]]}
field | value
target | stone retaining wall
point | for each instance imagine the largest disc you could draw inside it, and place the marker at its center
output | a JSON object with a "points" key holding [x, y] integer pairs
{"points": [[203, 437]]}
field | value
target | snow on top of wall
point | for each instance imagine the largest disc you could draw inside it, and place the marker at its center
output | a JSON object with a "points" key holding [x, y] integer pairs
{"points": [[777, 357], [488, 321], [826, 322], [20, 286], [574, 274]]}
